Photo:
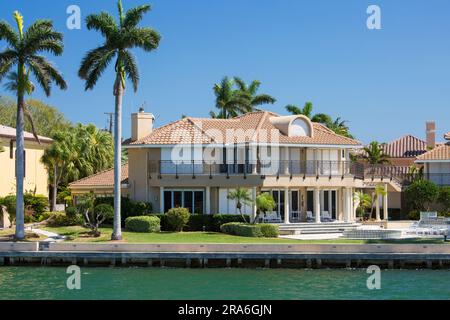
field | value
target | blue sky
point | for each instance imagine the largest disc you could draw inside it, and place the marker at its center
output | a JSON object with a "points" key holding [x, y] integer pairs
{"points": [[386, 83]]}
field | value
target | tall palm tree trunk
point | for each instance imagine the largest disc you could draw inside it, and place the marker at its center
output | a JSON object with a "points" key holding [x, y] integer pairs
{"points": [[118, 91], [20, 166], [54, 188]]}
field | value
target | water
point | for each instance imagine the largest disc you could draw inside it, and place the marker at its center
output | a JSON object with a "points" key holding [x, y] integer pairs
{"points": [[168, 283]]}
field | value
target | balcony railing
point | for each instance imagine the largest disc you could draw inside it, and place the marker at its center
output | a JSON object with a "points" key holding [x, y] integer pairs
{"points": [[262, 168]]}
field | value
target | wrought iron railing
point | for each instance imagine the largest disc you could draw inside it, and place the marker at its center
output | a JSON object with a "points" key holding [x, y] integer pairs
{"points": [[263, 168]]}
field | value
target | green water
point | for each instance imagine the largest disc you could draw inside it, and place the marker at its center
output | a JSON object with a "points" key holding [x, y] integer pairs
{"points": [[167, 283]]}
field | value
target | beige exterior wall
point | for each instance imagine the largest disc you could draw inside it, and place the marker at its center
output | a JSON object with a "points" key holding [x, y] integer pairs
{"points": [[36, 177]]}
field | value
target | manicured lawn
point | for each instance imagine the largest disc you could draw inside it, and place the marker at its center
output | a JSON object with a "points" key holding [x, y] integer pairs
{"points": [[8, 235], [79, 234]]}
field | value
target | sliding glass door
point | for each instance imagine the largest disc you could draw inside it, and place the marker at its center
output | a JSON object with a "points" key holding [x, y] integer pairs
{"points": [[193, 200]]}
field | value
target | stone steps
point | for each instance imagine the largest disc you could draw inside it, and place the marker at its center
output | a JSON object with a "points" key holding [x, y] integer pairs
{"points": [[315, 228]]}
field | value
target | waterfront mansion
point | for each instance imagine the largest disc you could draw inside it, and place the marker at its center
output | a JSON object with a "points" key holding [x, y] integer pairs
{"points": [[196, 162]]}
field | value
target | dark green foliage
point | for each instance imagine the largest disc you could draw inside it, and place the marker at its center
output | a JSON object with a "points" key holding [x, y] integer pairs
{"points": [[444, 200], [269, 230], [129, 208], [143, 224], [35, 206], [104, 210], [242, 229], [71, 211], [220, 219], [420, 195], [177, 218]]}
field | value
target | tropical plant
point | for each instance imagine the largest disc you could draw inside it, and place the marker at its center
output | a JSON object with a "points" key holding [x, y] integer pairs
{"points": [[248, 94], [242, 197], [420, 195], [177, 218], [120, 38], [23, 51], [234, 97], [379, 192], [415, 173], [374, 154], [76, 153], [363, 201], [338, 125], [264, 203]]}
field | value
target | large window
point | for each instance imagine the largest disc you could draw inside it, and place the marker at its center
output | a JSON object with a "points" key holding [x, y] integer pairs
{"points": [[190, 199]]}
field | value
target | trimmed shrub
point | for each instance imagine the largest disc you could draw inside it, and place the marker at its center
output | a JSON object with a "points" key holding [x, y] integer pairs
{"points": [[420, 195], [242, 229], [177, 218], [200, 222], [163, 220], [143, 224], [220, 219], [269, 230]]}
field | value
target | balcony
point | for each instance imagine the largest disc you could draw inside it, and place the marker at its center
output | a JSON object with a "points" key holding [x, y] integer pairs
{"points": [[259, 168]]}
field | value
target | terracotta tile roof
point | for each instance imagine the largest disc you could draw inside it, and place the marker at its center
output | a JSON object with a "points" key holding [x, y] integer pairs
{"points": [[441, 152], [405, 147], [101, 179], [205, 131], [9, 132]]}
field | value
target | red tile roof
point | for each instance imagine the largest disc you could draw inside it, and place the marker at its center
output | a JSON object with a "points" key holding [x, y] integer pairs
{"points": [[205, 131], [441, 152], [103, 179], [405, 147]]}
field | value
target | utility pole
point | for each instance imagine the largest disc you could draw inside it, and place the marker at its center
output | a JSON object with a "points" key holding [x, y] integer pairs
{"points": [[110, 114]]}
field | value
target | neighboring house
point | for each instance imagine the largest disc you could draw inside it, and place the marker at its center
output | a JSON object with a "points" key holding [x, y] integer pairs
{"points": [[436, 163], [36, 178], [101, 184], [195, 163]]}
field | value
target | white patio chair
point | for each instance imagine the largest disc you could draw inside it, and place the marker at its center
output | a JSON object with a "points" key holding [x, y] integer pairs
{"points": [[309, 216], [326, 216]]}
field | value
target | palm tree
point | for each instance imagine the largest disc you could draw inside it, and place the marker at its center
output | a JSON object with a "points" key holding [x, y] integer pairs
{"points": [[340, 127], [242, 197], [119, 39], [374, 154], [226, 100], [379, 192], [23, 52], [363, 201], [249, 95], [306, 110]]}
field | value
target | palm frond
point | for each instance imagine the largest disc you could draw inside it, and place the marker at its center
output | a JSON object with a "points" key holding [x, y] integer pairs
{"points": [[293, 109], [42, 37], [7, 33], [94, 64], [144, 38], [46, 73], [254, 86], [263, 99], [134, 16], [103, 22], [7, 59], [131, 69]]}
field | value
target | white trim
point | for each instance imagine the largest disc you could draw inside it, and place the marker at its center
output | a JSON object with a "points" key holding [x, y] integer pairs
{"points": [[221, 145], [432, 161]]}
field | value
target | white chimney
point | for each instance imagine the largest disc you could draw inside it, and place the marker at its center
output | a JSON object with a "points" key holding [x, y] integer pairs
{"points": [[141, 124]]}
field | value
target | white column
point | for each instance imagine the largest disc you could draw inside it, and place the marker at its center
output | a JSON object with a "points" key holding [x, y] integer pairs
{"points": [[161, 199], [322, 198], [286, 160], [286, 205], [254, 203], [347, 207], [317, 204], [377, 207], [385, 203], [330, 203], [208, 200]]}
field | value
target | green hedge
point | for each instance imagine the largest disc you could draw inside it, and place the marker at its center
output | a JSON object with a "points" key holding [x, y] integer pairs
{"points": [[178, 218], [143, 224], [220, 219], [269, 230], [250, 230], [129, 208]]}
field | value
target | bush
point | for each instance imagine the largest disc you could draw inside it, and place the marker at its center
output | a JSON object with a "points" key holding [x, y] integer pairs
{"points": [[129, 208], [60, 219], [420, 195], [269, 230], [220, 219], [177, 218], [104, 210], [71, 212], [444, 200], [242, 229], [143, 224], [35, 206], [200, 222]]}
